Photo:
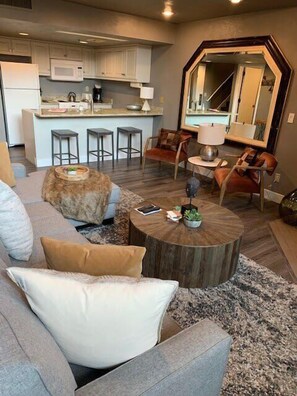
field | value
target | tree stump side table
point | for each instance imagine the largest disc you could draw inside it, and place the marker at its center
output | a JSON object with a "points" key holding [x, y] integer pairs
{"points": [[202, 257]]}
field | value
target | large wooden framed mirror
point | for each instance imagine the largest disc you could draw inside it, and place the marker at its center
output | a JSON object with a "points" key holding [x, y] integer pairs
{"points": [[241, 83]]}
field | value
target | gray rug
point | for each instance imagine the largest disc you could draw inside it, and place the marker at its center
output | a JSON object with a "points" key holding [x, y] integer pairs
{"points": [[256, 307]]}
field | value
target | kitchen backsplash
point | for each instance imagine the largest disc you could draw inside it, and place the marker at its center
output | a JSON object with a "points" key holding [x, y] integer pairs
{"points": [[120, 92]]}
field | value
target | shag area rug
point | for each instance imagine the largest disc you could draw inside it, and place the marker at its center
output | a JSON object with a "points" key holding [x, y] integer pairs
{"points": [[256, 307]]}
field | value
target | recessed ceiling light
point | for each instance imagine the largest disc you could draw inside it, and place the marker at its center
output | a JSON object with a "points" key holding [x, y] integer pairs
{"points": [[235, 1], [167, 12], [23, 34], [82, 41], [89, 35]]}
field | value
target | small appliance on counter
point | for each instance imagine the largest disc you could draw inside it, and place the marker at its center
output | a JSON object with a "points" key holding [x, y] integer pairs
{"points": [[71, 97], [97, 93]]}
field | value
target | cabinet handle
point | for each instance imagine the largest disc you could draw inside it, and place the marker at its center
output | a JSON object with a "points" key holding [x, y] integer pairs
{"points": [[123, 74], [102, 73]]}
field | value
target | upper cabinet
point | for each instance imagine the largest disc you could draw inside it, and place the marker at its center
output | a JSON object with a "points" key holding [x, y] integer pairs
{"points": [[124, 64], [60, 51], [40, 56], [88, 58], [15, 46]]}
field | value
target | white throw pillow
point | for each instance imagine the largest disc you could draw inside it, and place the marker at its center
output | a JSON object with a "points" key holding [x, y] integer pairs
{"points": [[98, 322], [16, 231]]}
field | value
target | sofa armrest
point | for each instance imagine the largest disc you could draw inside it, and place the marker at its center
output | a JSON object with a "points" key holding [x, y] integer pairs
{"points": [[19, 170], [193, 362]]}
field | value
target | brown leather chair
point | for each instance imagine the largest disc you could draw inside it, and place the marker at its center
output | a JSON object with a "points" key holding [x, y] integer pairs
{"points": [[172, 147], [252, 181]]}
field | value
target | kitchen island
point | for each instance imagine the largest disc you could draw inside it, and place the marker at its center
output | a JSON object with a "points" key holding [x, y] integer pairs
{"points": [[37, 126]]}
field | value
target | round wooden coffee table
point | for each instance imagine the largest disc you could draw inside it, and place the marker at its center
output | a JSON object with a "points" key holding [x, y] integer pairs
{"points": [[202, 257]]}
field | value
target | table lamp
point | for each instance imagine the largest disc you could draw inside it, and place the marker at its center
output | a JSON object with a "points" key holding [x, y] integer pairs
{"points": [[146, 93], [210, 135]]}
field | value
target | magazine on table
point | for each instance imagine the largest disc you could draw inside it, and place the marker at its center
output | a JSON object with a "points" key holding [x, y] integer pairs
{"points": [[148, 209]]}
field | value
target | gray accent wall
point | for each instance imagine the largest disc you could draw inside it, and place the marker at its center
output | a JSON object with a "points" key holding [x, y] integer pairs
{"points": [[168, 63]]}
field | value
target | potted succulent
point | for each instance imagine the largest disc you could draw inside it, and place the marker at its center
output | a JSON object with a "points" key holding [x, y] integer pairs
{"points": [[71, 170], [192, 218]]}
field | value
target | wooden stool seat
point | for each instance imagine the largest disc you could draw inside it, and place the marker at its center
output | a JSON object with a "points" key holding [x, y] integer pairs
{"points": [[129, 150], [64, 134], [100, 152]]}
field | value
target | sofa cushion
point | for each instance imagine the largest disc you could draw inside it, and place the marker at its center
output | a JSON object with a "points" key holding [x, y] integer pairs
{"points": [[109, 319], [31, 363], [4, 255], [6, 172], [93, 259], [15, 227]]}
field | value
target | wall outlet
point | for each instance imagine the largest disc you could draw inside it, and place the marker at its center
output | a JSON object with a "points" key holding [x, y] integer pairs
{"points": [[291, 118], [277, 178]]}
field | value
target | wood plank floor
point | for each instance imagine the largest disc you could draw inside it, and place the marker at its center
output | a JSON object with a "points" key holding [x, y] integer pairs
{"points": [[258, 242]]}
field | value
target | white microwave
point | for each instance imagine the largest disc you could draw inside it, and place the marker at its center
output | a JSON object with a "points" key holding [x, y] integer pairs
{"points": [[66, 70]]}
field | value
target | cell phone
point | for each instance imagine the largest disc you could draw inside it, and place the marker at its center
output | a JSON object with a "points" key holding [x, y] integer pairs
{"points": [[151, 209]]}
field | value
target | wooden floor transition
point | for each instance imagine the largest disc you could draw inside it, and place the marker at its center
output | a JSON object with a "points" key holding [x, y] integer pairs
{"points": [[258, 242]]}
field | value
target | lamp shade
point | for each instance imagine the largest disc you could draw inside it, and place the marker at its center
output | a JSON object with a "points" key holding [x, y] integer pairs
{"points": [[211, 134], [146, 92]]}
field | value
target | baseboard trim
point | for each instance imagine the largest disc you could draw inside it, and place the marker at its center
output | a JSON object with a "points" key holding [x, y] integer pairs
{"points": [[273, 196]]}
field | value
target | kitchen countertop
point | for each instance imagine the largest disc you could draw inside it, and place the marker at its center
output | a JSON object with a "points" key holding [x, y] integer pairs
{"points": [[120, 112], [207, 113]]}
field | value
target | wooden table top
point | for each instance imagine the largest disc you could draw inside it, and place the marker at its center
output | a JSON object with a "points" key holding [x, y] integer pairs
{"points": [[219, 225]]}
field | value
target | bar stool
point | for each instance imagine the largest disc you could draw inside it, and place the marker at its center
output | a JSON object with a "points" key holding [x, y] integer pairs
{"points": [[100, 134], [64, 134], [129, 150]]}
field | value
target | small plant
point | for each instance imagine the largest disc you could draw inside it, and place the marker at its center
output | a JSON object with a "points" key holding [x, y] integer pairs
{"points": [[71, 168], [192, 215]]}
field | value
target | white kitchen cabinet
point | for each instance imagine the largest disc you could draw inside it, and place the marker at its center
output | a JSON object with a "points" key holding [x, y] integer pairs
{"points": [[15, 46], [40, 56], [124, 63], [88, 58], [60, 51]]}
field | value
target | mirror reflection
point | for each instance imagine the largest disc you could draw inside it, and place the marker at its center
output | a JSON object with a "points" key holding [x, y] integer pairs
{"points": [[231, 88]]}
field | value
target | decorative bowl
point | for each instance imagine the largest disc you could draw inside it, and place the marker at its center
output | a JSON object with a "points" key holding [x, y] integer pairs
{"points": [[192, 224], [135, 107]]}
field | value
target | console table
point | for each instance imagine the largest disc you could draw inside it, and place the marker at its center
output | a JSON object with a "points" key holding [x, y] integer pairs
{"points": [[202, 257]]}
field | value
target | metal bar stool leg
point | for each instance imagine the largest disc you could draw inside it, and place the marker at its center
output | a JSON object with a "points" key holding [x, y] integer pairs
{"points": [[77, 149], [102, 148], [118, 144], [112, 151], [88, 147], [98, 151], [53, 154], [140, 149], [60, 148], [68, 145], [128, 148]]}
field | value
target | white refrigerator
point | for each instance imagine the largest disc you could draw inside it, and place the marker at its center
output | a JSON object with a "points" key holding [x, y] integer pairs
{"points": [[20, 90]]}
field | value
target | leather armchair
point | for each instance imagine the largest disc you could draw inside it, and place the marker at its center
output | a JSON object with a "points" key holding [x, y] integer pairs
{"points": [[229, 180], [168, 153]]}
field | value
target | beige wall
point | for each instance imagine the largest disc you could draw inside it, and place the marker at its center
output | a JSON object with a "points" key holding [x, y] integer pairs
{"points": [[168, 63]]}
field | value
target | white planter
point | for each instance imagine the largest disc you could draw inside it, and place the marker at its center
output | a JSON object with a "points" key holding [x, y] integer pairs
{"points": [[71, 172], [192, 224]]}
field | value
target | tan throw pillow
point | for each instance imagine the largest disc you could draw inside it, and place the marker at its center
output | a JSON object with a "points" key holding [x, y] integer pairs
{"points": [[96, 260], [247, 158], [6, 172]]}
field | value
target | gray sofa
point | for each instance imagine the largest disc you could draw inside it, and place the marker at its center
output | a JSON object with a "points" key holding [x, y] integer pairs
{"points": [[188, 362]]}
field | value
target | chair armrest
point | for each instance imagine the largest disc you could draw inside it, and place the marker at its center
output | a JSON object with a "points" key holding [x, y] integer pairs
{"points": [[148, 141], [179, 149], [19, 170], [192, 362]]}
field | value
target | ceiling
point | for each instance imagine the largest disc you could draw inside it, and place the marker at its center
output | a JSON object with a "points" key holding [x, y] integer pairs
{"points": [[186, 10]]}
